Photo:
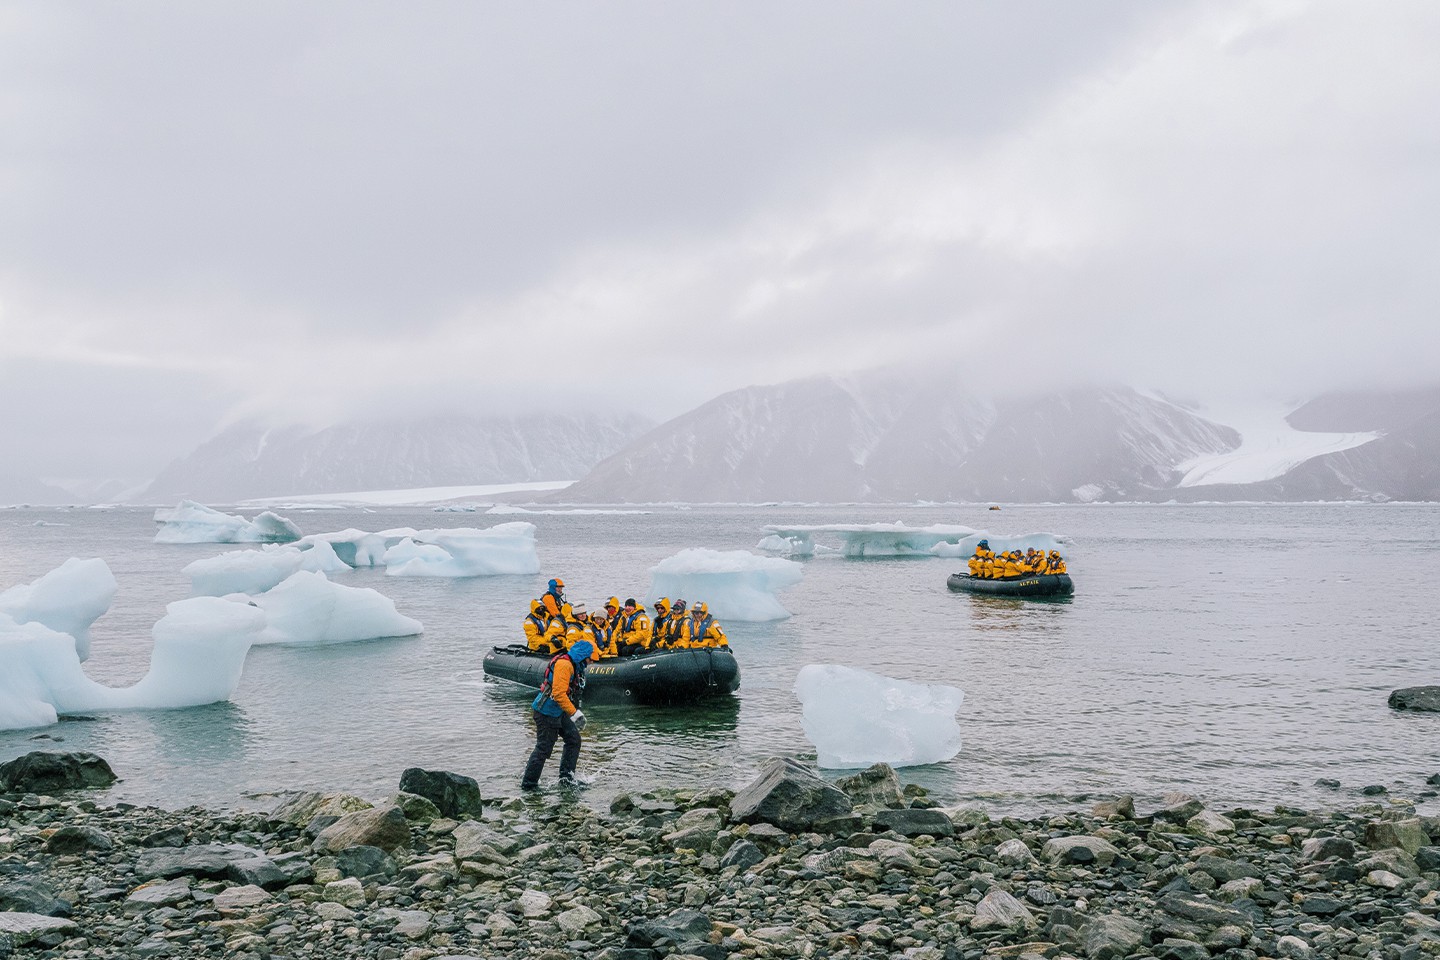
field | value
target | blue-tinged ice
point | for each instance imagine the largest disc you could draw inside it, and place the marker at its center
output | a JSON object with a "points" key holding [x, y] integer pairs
{"points": [[899, 540], [69, 599], [357, 548], [199, 653], [191, 522], [736, 584], [308, 609], [856, 718]]}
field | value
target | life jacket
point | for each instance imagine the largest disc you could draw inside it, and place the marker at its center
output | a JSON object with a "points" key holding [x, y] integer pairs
{"points": [[700, 627], [540, 622], [577, 682]]}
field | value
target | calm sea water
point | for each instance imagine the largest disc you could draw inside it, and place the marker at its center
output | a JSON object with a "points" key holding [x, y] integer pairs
{"points": [[1238, 652]]}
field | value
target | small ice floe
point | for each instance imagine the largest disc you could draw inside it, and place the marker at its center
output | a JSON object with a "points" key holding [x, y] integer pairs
{"points": [[191, 522]]}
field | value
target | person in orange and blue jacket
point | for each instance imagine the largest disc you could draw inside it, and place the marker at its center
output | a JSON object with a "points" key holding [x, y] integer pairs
{"points": [[557, 715]]}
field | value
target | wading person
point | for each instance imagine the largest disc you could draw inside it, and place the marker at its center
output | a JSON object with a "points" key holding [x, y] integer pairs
{"points": [[556, 710]]}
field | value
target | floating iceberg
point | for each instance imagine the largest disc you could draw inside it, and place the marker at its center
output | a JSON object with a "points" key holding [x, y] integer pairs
{"points": [[68, 599], [356, 548], [199, 653], [308, 608], [898, 540], [255, 571], [856, 718], [508, 548], [736, 585], [191, 522]]}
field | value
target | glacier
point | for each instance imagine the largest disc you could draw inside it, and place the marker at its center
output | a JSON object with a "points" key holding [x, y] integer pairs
{"points": [[856, 718], [735, 584], [898, 540], [191, 522], [198, 657], [1269, 448], [68, 599], [308, 609]]}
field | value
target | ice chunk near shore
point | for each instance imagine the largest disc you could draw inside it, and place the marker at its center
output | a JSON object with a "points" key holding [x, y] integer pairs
{"points": [[507, 548], [856, 718], [736, 584], [68, 599], [308, 608], [191, 522], [198, 657], [255, 571]]}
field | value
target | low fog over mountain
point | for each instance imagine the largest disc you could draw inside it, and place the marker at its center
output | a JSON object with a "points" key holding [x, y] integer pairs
{"points": [[861, 439], [248, 461]]}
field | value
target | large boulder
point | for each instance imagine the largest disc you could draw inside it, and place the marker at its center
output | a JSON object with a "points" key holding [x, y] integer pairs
{"points": [[209, 860], [1407, 834], [1423, 699], [385, 828], [915, 822], [790, 797], [301, 808], [46, 772], [878, 785], [457, 797]]}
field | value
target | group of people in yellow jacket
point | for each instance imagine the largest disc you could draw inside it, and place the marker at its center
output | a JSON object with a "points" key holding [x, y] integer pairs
{"points": [[554, 624], [992, 566]]}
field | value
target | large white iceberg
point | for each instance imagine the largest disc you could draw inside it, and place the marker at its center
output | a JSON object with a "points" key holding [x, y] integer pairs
{"points": [[68, 599], [507, 548], [199, 653], [255, 571], [308, 608], [736, 584], [899, 540], [191, 522], [856, 718]]}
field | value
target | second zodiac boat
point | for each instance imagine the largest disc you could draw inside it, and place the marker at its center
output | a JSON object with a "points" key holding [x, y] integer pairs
{"points": [[1035, 585], [655, 678]]}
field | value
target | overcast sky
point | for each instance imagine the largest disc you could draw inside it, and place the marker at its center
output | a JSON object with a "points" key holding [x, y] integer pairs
{"points": [[319, 210]]}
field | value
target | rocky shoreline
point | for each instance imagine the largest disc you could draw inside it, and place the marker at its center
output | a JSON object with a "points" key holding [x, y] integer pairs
{"points": [[789, 866]]}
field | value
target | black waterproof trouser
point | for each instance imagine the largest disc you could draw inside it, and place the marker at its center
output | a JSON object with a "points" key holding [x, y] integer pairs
{"points": [[547, 730]]}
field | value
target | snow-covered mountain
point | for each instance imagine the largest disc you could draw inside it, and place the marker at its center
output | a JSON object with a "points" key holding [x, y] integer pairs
{"points": [[885, 440], [15, 489], [249, 461]]}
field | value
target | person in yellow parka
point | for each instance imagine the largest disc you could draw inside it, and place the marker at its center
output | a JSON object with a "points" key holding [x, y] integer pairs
{"points": [[1057, 562], [702, 630], [1011, 566], [977, 561], [535, 626], [678, 619], [660, 626], [605, 645], [634, 633]]}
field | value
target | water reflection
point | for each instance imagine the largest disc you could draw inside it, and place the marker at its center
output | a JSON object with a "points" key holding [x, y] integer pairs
{"points": [[212, 735]]}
